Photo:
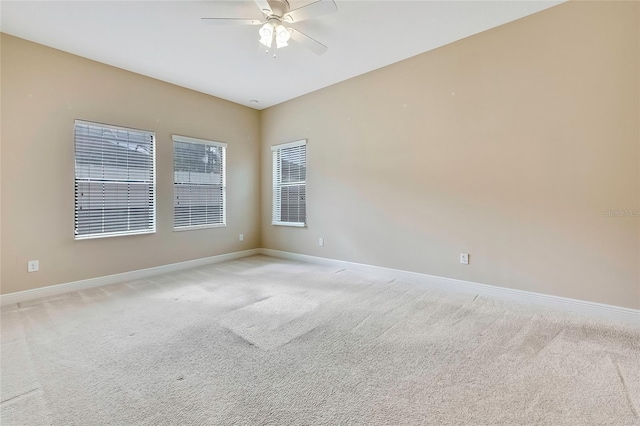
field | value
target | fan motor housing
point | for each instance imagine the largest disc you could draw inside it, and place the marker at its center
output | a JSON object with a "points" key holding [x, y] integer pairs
{"points": [[279, 8]]}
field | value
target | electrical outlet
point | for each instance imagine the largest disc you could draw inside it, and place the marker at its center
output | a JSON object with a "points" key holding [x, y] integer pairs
{"points": [[241, 237], [33, 266], [321, 241], [464, 258]]}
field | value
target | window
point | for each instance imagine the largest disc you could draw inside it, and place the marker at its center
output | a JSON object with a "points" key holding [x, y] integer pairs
{"points": [[115, 186], [289, 183], [199, 183]]}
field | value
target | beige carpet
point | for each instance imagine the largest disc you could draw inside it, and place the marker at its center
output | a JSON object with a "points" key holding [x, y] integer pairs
{"points": [[261, 341]]}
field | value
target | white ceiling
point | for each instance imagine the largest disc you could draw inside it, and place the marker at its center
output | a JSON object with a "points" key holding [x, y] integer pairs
{"points": [[166, 40]]}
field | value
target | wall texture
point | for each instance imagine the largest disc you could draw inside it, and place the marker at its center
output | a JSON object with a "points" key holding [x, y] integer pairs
{"points": [[43, 91], [510, 145]]}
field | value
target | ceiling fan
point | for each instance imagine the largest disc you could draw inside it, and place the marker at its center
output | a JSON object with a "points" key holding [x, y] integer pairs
{"points": [[278, 17]]}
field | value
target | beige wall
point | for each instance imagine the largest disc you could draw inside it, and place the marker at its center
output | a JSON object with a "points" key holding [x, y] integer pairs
{"points": [[509, 145], [43, 91]]}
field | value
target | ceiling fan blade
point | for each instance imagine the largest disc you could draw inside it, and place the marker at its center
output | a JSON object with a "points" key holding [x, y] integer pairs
{"points": [[311, 44], [264, 6], [318, 8], [230, 21]]}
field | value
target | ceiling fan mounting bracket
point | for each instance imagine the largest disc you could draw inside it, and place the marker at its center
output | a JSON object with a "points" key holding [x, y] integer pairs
{"points": [[279, 8]]}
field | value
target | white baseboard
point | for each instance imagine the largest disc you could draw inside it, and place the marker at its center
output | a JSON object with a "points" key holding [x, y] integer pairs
{"points": [[54, 290], [593, 309]]}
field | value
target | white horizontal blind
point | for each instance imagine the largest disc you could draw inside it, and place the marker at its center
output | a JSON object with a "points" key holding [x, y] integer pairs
{"points": [[115, 187], [289, 184], [199, 183]]}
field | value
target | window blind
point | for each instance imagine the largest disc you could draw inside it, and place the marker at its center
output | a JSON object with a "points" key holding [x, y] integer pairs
{"points": [[115, 189], [289, 183], [199, 183]]}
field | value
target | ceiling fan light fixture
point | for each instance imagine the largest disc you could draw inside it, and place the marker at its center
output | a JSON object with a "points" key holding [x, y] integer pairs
{"points": [[282, 33], [266, 41], [282, 36], [266, 31], [266, 34]]}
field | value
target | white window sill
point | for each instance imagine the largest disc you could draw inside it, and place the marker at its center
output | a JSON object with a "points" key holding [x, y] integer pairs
{"points": [[196, 227], [293, 224], [112, 234]]}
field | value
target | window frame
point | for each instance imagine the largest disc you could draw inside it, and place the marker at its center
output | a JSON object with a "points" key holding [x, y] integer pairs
{"points": [[223, 145], [275, 187], [153, 205]]}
